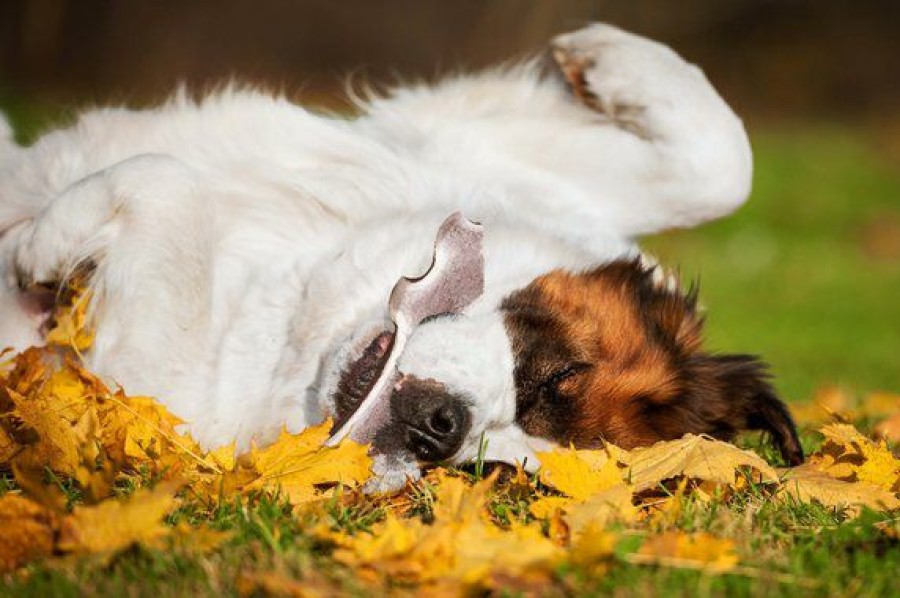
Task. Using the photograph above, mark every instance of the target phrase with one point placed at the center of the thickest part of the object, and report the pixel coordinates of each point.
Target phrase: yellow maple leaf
(594, 548)
(461, 545)
(66, 419)
(482, 549)
(692, 456)
(70, 323)
(24, 370)
(693, 551)
(848, 455)
(223, 457)
(298, 463)
(28, 531)
(546, 506)
(580, 473)
(613, 504)
(806, 483)
(113, 525)
(48, 438)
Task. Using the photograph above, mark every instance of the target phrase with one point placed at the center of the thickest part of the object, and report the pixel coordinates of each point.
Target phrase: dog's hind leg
(147, 230)
(689, 155)
(619, 137)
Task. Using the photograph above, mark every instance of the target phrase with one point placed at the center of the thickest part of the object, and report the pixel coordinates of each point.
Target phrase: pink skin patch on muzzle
(454, 280)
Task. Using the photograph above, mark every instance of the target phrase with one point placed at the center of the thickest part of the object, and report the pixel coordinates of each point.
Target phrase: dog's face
(573, 358)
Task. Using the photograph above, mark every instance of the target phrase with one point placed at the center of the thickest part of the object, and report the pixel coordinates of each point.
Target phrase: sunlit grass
(807, 274)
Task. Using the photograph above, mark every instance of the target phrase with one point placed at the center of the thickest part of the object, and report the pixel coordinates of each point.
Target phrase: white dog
(243, 250)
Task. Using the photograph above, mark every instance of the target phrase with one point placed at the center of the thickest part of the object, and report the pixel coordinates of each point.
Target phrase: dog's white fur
(245, 247)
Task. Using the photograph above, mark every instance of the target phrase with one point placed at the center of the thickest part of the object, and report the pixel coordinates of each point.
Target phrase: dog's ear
(728, 393)
(721, 394)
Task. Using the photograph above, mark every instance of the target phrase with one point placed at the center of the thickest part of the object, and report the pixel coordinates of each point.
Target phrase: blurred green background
(807, 274)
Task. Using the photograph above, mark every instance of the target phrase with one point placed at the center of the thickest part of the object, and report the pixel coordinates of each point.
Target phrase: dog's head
(612, 354)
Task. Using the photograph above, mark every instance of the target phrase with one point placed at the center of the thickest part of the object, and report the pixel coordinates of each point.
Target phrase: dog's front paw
(44, 255)
(624, 76)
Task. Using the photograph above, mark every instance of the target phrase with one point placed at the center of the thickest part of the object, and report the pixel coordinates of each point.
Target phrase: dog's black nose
(436, 421)
(439, 430)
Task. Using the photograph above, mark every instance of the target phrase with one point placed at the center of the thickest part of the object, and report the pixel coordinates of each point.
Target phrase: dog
(242, 250)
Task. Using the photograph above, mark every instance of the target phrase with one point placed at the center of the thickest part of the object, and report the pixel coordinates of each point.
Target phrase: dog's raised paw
(623, 76)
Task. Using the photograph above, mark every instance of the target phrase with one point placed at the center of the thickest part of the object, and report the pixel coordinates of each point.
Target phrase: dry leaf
(298, 463)
(70, 320)
(602, 509)
(546, 506)
(46, 436)
(28, 531)
(460, 545)
(113, 525)
(693, 551)
(580, 473)
(836, 403)
(848, 455)
(889, 429)
(879, 404)
(67, 420)
(693, 456)
(807, 483)
(825, 404)
(271, 583)
(200, 539)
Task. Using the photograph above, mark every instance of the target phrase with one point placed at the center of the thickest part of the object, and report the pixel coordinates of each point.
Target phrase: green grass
(795, 276)
(807, 273)
(786, 550)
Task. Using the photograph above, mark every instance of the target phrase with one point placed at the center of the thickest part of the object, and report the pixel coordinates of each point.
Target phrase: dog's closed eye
(564, 381)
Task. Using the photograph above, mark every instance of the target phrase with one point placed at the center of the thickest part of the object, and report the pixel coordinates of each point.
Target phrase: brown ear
(721, 394)
(728, 393)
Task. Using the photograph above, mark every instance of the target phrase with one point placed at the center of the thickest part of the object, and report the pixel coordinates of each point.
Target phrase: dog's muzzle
(426, 419)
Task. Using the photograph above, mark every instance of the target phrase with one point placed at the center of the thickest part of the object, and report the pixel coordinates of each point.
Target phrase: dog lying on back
(242, 250)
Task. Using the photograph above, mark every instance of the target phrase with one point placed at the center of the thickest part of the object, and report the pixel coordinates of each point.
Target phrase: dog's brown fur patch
(612, 355)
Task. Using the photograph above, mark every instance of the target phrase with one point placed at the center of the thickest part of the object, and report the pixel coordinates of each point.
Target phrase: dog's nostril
(443, 421)
(424, 448)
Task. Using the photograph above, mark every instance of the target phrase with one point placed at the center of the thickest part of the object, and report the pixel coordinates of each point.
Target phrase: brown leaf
(693, 456)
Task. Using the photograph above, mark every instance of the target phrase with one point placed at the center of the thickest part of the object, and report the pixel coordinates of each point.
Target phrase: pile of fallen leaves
(125, 465)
